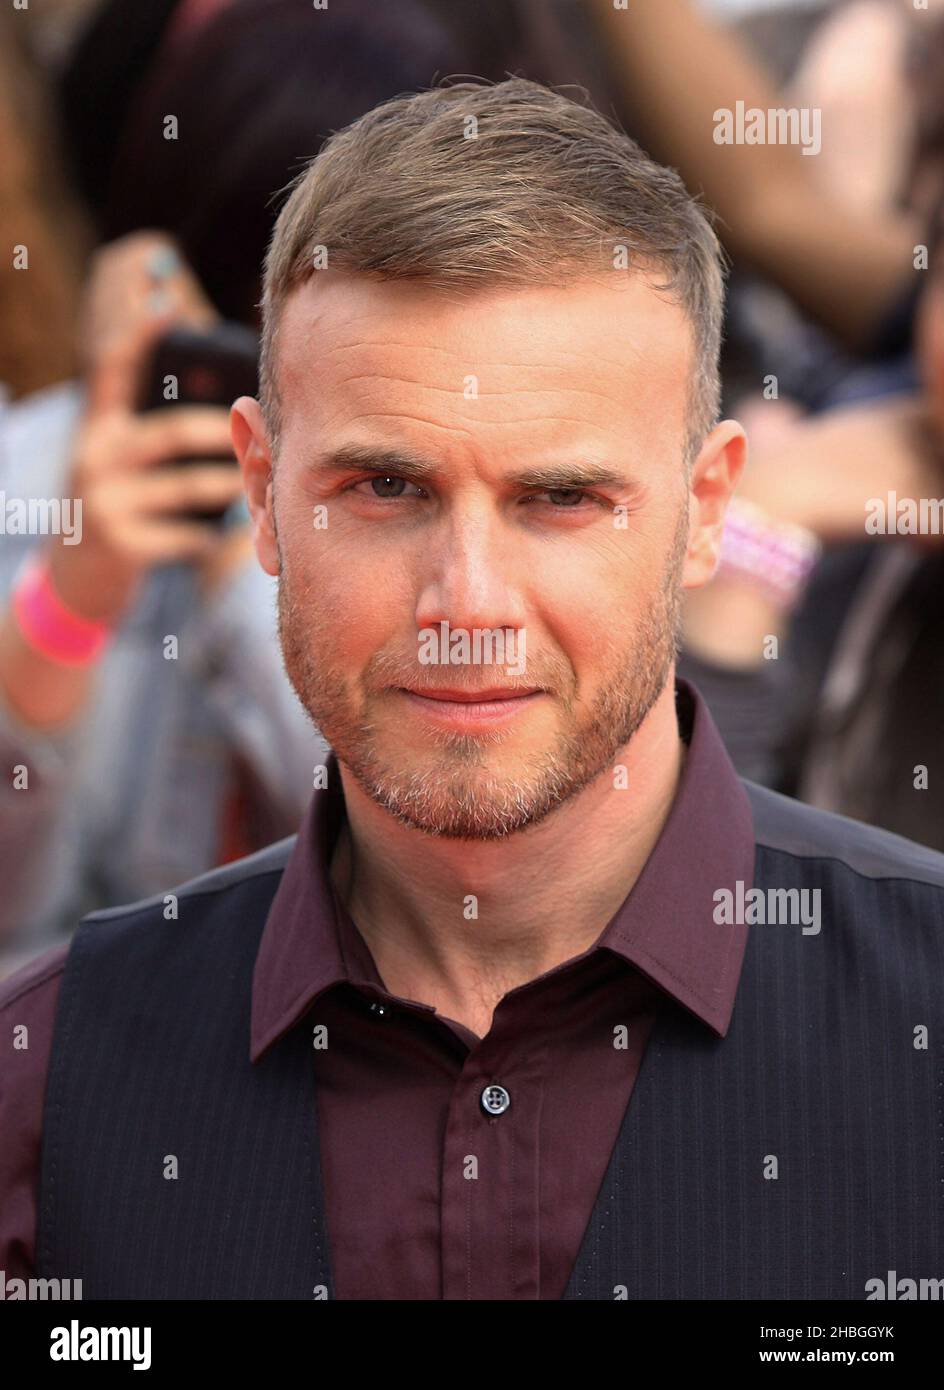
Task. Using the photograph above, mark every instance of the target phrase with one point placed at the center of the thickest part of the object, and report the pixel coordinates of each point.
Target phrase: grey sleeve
(37, 776)
(233, 645)
(37, 857)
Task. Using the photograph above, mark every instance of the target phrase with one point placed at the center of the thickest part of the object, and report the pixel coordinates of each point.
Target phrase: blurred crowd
(182, 745)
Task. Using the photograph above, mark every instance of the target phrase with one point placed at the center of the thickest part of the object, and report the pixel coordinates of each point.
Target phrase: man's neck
(457, 924)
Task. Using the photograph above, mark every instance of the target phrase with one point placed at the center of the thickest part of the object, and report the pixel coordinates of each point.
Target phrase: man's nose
(471, 578)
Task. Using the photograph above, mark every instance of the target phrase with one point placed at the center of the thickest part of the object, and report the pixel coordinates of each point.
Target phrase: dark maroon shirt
(426, 1194)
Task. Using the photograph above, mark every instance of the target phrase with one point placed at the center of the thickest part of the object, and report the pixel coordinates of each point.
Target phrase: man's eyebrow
(417, 468)
(578, 474)
(351, 458)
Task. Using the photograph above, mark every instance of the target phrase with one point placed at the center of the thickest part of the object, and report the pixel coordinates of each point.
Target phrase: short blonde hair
(471, 185)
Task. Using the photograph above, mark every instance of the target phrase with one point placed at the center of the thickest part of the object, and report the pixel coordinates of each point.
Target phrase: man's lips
(475, 697)
(471, 709)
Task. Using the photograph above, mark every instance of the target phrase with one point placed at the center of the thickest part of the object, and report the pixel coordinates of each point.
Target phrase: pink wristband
(48, 625)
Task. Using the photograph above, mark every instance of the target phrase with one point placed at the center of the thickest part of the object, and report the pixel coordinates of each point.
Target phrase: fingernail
(163, 261)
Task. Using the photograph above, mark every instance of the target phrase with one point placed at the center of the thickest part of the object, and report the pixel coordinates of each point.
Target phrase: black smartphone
(210, 366)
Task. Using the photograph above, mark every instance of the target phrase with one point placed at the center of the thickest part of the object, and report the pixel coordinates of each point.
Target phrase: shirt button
(379, 1010)
(495, 1100)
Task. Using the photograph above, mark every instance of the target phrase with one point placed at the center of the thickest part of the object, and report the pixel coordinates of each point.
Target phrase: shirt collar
(665, 928)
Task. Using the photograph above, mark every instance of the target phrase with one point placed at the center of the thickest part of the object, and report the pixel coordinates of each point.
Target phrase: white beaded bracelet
(775, 556)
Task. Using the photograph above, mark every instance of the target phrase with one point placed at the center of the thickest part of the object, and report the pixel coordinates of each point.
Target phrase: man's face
(581, 575)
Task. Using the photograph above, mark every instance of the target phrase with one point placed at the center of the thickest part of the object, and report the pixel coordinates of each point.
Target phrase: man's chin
(470, 815)
(466, 797)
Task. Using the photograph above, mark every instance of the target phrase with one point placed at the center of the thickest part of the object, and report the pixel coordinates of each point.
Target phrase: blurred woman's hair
(254, 92)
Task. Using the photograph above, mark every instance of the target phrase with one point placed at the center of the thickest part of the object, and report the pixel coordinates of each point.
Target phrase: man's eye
(560, 496)
(389, 486)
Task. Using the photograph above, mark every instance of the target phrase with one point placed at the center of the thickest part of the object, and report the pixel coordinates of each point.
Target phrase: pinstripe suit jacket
(800, 1156)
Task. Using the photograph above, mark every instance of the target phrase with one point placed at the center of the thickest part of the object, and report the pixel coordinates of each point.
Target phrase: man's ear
(714, 476)
(251, 443)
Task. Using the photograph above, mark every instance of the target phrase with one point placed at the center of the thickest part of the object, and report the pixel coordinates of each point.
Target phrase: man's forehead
(339, 328)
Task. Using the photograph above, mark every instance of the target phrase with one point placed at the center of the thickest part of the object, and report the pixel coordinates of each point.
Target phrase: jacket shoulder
(251, 879)
(791, 827)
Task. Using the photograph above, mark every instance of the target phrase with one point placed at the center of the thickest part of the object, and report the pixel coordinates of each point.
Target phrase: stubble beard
(456, 794)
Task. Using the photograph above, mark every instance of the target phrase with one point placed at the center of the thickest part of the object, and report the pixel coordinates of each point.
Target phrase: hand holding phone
(209, 367)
